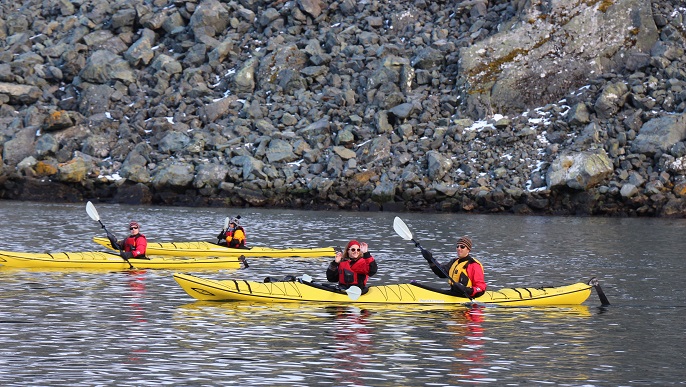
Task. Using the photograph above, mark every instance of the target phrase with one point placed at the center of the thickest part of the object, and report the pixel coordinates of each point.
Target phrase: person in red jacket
(465, 274)
(134, 245)
(352, 267)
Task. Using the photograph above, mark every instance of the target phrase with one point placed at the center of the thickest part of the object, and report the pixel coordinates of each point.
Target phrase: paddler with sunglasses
(352, 267)
(466, 273)
(134, 245)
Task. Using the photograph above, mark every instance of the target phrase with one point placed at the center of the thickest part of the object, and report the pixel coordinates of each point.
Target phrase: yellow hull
(296, 291)
(207, 249)
(110, 261)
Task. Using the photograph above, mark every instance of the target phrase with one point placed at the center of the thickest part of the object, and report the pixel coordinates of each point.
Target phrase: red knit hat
(134, 224)
(352, 243)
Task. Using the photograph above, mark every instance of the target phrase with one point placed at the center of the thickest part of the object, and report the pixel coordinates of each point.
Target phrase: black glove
(126, 254)
(466, 290)
(113, 241)
(427, 255)
(221, 235)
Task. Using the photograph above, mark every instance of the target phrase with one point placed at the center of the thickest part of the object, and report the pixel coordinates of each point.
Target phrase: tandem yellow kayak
(112, 261)
(208, 249)
(409, 293)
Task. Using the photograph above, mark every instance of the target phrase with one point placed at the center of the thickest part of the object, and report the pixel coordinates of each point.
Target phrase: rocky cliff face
(558, 107)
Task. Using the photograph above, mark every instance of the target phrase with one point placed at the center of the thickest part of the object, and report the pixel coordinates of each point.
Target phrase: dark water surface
(80, 328)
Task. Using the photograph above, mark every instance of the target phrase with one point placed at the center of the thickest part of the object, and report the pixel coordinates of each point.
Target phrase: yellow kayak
(111, 261)
(207, 249)
(410, 293)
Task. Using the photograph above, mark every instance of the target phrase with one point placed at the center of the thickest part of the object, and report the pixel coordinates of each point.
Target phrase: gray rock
(311, 7)
(46, 144)
(210, 175)
(104, 66)
(537, 45)
(174, 142)
(578, 115)
(210, 18)
(167, 64)
(177, 174)
(244, 80)
(20, 94)
(134, 168)
(344, 153)
(580, 171)
(20, 146)
(280, 151)
(95, 99)
(438, 165)
(384, 192)
(660, 134)
(249, 166)
(611, 99)
(628, 190)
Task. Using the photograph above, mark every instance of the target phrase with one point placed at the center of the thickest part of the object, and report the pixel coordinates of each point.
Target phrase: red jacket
(350, 273)
(136, 245)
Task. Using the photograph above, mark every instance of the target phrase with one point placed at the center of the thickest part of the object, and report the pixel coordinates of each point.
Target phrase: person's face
(354, 251)
(134, 230)
(462, 250)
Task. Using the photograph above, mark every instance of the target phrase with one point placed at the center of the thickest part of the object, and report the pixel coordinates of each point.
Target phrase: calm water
(139, 328)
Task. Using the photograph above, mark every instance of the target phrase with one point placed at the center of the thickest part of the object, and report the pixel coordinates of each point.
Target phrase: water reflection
(135, 300)
(467, 338)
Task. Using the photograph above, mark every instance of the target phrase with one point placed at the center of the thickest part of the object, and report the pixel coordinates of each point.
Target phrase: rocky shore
(526, 107)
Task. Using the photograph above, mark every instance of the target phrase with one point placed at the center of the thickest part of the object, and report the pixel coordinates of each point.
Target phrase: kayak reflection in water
(138, 341)
(469, 341)
(465, 274)
(353, 344)
(352, 267)
(234, 235)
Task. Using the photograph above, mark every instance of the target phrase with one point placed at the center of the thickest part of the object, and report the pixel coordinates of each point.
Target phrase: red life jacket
(136, 246)
(354, 273)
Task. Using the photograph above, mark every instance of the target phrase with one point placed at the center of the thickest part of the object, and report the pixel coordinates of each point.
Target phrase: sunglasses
(461, 246)
(133, 228)
(353, 249)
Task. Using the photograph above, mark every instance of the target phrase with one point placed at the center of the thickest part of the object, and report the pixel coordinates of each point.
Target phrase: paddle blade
(92, 212)
(401, 229)
(226, 223)
(354, 292)
(306, 278)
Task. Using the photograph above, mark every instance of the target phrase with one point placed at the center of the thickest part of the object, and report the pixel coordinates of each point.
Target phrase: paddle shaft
(433, 260)
(226, 225)
(601, 295)
(93, 213)
(404, 232)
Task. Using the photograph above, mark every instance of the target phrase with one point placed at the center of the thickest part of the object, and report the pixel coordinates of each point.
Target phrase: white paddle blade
(226, 223)
(354, 292)
(401, 229)
(92, 212)
(306, 278)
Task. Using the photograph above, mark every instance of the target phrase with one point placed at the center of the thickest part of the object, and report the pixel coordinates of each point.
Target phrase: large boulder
(520, 67)
(579, 170)
(660, 134)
